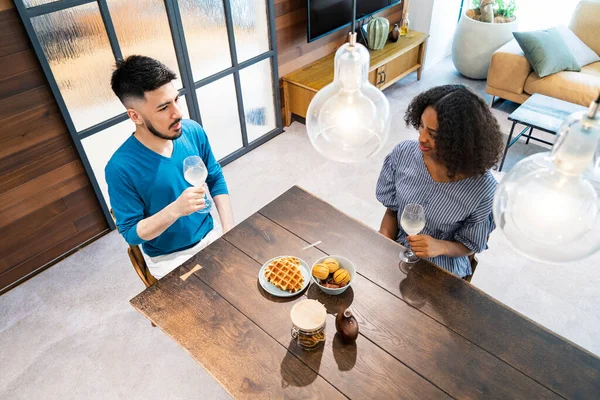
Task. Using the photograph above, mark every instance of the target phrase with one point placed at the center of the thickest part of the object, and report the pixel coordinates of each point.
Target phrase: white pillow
(583, 54)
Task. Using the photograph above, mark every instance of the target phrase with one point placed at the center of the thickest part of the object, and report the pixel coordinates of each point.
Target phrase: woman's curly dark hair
(468, 140)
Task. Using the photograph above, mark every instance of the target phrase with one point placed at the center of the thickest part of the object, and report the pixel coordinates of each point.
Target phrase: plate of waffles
(284, 276)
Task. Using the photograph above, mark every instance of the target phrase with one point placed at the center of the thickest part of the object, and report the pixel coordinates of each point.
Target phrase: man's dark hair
(136, 75)
(468, 139)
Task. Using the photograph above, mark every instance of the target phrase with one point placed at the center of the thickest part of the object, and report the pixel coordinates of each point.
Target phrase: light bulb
(548, 205)
(349, 119)
(346, 119)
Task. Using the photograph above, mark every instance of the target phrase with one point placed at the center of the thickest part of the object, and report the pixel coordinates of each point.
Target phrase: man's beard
(160, 135)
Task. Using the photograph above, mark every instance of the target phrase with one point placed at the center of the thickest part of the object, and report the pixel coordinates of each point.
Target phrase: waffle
(285, 273)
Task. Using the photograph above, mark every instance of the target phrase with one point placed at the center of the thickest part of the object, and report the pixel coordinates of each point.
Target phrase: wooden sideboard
(392, 63)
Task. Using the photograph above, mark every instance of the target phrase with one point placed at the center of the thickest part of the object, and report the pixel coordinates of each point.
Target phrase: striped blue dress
(458, 211)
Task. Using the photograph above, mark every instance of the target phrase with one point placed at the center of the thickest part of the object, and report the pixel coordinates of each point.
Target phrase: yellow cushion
(585, 23)
(509, 69)
(592, 69)
(575, 87)
(503, 94)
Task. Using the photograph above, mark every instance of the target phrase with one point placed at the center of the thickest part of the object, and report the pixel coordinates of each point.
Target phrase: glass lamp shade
(548, 205)
(349, 119)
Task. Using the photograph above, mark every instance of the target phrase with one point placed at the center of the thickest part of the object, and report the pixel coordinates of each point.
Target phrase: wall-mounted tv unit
(327, 16)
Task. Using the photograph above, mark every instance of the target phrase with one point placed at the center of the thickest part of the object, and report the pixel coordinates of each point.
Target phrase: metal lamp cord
(352, 34)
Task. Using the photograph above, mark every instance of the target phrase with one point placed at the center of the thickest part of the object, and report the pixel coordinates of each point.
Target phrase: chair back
(474, 263)
(140, 266)
(137, 260)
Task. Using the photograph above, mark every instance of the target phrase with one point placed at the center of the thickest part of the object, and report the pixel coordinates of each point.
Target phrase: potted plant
(484, 27)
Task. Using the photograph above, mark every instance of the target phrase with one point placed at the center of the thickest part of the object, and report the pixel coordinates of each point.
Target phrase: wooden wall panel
(54, 253)
(293, 50)
(21, 82)
(39, 125)
(35, 169)
(17, 63)
(47, 206)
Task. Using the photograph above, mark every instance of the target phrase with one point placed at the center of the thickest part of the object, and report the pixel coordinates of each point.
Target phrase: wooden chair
(474, 263)
(139, 264)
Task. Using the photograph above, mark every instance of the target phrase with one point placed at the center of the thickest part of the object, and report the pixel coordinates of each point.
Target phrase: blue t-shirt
(142, 182)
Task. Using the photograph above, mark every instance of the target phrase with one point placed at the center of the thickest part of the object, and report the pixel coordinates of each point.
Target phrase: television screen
(326, 16)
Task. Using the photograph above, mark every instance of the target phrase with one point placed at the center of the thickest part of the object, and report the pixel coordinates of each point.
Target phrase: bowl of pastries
(333, 274)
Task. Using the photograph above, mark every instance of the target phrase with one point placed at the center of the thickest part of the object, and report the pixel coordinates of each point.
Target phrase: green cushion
(547, 51)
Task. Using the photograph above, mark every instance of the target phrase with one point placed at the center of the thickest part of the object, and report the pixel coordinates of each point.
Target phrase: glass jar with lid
(308, 319)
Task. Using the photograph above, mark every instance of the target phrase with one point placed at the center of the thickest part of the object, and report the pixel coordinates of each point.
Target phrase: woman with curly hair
(447, 172)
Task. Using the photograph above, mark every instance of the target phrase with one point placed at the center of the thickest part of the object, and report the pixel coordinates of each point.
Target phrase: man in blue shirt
(153, 204)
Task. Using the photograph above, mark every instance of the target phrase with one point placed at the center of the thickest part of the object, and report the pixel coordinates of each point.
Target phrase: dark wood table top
(544, 113)
(425, 335)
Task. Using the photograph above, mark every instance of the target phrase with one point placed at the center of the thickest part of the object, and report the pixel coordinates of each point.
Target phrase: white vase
(475, 42)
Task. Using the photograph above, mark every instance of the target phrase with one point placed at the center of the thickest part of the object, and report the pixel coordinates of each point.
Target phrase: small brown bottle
(346, 326)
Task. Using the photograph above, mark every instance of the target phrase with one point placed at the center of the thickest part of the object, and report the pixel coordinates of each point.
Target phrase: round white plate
(274, 290)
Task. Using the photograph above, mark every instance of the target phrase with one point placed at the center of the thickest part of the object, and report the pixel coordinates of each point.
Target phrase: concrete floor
(70, 333)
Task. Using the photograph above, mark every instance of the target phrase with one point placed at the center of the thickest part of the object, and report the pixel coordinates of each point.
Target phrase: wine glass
(195, 172)
(413, 222)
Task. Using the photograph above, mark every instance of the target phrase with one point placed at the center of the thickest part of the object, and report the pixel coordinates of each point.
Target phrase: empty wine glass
(195, 172)
(412, 222)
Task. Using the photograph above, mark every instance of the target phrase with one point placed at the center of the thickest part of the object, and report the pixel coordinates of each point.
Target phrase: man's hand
(190, 201)
(426, 246)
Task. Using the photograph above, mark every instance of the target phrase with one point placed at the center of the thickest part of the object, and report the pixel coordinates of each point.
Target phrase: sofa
(511, 77)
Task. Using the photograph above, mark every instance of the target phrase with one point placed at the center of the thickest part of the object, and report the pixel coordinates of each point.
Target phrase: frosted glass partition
(220, 116)
(221, 51)
(100, 147)
(77, 48)
(251, 28)
(206, 36)
(142, 27)
(257, 94)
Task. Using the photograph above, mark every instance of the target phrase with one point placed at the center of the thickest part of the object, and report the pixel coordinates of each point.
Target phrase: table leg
(529, 135)
(287, 114)
(512, 129)
(421, 59)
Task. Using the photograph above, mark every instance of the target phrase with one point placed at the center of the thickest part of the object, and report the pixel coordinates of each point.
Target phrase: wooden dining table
(424, 333)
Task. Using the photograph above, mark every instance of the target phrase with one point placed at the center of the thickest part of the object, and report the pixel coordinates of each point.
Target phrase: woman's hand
(426, 246)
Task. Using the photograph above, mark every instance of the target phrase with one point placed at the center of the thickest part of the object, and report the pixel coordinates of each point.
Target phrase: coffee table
(425, 334)
(544, 113)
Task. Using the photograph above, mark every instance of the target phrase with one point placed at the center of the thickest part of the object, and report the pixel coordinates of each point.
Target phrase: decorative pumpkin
(377, 33)
(341, 276)
(332, 264)
(320, 271)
